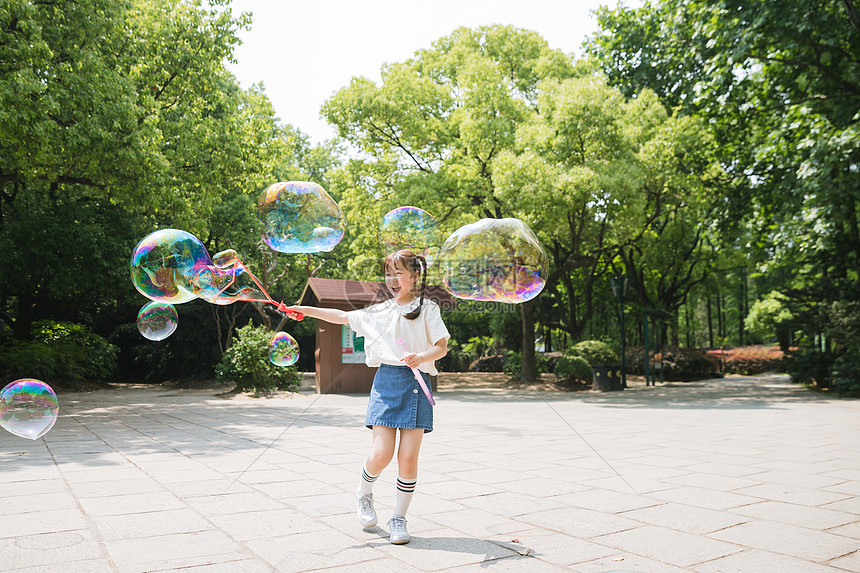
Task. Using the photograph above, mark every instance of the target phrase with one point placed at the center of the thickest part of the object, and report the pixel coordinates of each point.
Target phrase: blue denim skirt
(397, 400)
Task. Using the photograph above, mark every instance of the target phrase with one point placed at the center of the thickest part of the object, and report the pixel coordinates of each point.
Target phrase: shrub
(845, 374)
(748, 360)
(573, 367)
(810, 367)
(62, 354)
(594, 352)
(683, 363)
(247, 364)
(544, 362)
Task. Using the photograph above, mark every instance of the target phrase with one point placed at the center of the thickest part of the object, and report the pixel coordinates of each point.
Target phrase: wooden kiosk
(339, 354)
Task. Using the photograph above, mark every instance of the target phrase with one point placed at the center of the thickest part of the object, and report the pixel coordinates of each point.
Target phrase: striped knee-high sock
(405, 491)
(365, 486)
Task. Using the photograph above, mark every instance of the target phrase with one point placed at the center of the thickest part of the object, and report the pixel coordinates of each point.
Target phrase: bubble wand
(417, 375)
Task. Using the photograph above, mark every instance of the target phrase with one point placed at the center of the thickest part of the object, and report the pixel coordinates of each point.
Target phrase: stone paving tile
(536, 486)
(606, 501)
(227, 566)
(705, 498)
(88, 566)
(715, 482)
(668, 545)
(138, 525)
(21, 503)
(518, 564)
(850, 505)
(800, 515)
(442, 549)
(850, 562)
(132, 503)
(788, 539)
(850, 530)
(476, 523)
(228, 503)
(265, 524)
(107, 488)
(386, 565)
(685, 518)
(52, 550)
(172, 551)
(556, 548)
(509, 504)
(308, 551)
(581, 523)
(753, 560)
(792, 494)
(627, 563)
(36, 522)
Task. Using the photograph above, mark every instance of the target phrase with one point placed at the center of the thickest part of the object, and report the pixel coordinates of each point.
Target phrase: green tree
(434, 127)
(777, 86)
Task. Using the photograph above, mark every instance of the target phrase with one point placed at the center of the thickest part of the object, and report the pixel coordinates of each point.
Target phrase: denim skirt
(397, 400)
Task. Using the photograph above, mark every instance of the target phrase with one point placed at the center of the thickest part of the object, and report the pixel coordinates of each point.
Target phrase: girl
(399, 334)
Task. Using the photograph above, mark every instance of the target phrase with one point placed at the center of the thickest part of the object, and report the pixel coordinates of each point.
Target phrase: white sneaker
(397, 528)
(366, 513)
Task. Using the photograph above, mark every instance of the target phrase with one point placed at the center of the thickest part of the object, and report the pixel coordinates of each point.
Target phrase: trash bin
(606, 377)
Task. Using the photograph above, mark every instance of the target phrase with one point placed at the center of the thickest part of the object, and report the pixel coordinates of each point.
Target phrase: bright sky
(303, 52)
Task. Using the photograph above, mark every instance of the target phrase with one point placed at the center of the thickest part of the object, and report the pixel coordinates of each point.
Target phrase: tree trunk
(710, 325)
(24, 317)
(529, 363)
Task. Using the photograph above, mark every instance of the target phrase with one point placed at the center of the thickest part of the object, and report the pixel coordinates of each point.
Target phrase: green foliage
(594, 352)
(247, 364)
(810, 367)
(574, 367)
(766, 315)
(845, 374)
(683, 364)
(62, 354)
(479, 347)
(514, 363)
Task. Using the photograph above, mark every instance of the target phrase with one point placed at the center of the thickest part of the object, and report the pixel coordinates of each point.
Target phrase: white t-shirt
(382, 325)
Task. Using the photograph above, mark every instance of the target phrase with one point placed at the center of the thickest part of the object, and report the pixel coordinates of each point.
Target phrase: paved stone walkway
(738, 475)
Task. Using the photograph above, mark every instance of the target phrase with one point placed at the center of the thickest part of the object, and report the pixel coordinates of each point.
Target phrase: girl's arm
(437, 351)
(333, 315)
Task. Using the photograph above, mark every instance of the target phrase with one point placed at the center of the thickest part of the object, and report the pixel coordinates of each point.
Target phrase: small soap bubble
(157, 320)
(283, 349)
(493, 259)
(300, 217)
(28, 408)
(164, 264)
(409, 228)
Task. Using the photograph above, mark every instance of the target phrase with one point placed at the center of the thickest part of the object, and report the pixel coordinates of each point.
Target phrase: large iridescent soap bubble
(283, 349)
(493, 259)
(28, 408)
(410, 228)
(300, 217)
(164, 264)
(157, 320)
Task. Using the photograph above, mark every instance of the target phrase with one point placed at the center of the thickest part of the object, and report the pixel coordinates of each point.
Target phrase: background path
(735, 475)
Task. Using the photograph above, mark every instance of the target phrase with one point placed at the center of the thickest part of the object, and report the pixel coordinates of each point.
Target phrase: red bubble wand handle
(417, 374)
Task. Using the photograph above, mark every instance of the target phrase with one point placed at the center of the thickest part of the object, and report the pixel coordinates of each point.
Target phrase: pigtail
(421, 263)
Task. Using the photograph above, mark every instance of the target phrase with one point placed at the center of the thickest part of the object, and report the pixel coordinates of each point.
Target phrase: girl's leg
(407, 468)
(383, 449)
(380, 456)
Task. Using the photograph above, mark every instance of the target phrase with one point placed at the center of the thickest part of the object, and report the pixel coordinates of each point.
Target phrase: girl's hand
(412, 360)
(293, 312)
